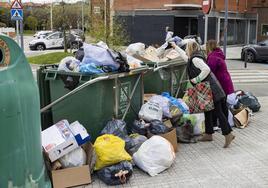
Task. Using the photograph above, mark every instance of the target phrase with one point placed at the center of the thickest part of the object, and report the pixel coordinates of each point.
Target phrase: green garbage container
(167, 76)
(102, 97)
(21, 159)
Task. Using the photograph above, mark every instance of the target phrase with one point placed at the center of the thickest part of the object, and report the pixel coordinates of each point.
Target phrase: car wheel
(40, 47)
(249, 56)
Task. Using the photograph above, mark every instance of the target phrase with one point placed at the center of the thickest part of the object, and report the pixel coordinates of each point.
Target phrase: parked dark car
(256, 52)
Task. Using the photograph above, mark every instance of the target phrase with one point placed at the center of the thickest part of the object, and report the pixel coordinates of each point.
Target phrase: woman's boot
(228, 139)
(206, 138)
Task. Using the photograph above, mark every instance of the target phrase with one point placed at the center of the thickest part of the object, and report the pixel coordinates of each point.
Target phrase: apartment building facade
(146, 20)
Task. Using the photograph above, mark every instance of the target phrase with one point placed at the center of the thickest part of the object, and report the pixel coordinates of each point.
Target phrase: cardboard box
(171, 137)
(147, 96)
(62, 138)
(75, 176)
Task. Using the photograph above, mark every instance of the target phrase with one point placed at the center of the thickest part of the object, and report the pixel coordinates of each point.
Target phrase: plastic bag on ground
(75, 158)
(177, 102)
(110, 150)
(138, 140)
(155, 155)
(150, 111)
(116, 174)
(199, 127)
(69, 64)
(163, 102)
(250, 101)
(185, 133)
(157, 127)
(139, 127)
(118, 128)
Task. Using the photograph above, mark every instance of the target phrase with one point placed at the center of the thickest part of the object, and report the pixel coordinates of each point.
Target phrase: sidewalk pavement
(208, 165)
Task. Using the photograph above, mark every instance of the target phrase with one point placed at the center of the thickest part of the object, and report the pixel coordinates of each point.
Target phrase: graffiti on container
(124, 93)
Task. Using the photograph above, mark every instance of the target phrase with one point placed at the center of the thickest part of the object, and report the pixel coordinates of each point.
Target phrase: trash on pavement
(249, 100)
(74, 158)
(116, 174)
(241, 119)
(63, 138)
(155, 155)
(138, 140)
(158, 127)
(118, 128)
(110, 150)
(151, 111)
(140, 127)
(73, 176)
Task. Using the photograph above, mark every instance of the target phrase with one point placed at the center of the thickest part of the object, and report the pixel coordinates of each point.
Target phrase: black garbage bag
(138, 140)
(116, 174)
(185, 133)
(250, 101)
(157, 127)
(79, 54)
(118, 128)
(139, 127)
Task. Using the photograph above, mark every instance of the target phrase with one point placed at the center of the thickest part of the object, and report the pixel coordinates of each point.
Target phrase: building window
(264, 29)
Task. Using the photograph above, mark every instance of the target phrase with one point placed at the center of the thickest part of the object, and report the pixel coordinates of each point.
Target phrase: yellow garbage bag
(110, 150)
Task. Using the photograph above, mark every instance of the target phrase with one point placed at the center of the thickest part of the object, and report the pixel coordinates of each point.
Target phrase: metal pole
(18, 33)
(206, 29)
(21, 35)
(225, 27)
(51, 16)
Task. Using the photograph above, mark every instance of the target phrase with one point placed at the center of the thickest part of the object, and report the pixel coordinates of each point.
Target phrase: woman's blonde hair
(191, 48)
(211, 45)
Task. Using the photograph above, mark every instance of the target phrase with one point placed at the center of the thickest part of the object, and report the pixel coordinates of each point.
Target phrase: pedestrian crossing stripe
(16, 5)
(16, 14)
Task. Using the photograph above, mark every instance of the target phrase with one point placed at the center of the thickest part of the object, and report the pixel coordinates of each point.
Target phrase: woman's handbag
(199, 97)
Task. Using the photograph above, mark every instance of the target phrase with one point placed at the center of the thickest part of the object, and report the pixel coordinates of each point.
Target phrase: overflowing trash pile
(99, 58)
(150, 143)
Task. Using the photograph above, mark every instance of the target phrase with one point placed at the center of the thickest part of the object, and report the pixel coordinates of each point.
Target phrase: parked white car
(42, 34)
(55, 40)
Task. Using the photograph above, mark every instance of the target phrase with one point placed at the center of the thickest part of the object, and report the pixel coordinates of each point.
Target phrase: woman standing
(217, 64)
(198, 70)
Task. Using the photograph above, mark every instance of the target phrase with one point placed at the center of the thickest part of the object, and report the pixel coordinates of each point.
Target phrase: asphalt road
(254, 78)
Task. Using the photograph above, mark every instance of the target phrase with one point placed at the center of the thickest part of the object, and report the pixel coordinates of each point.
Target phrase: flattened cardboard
(171, 136)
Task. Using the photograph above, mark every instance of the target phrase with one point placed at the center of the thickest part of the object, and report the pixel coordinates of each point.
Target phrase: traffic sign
(16, 5)
(206, 6)
(16, 14)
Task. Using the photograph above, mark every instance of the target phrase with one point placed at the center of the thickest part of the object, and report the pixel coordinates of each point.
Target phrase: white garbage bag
(164, 104)
(155, 155)
(199, 127)
(75, 158)
(69, 64)
(230, 118)
(150, 111)
(136, 49)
